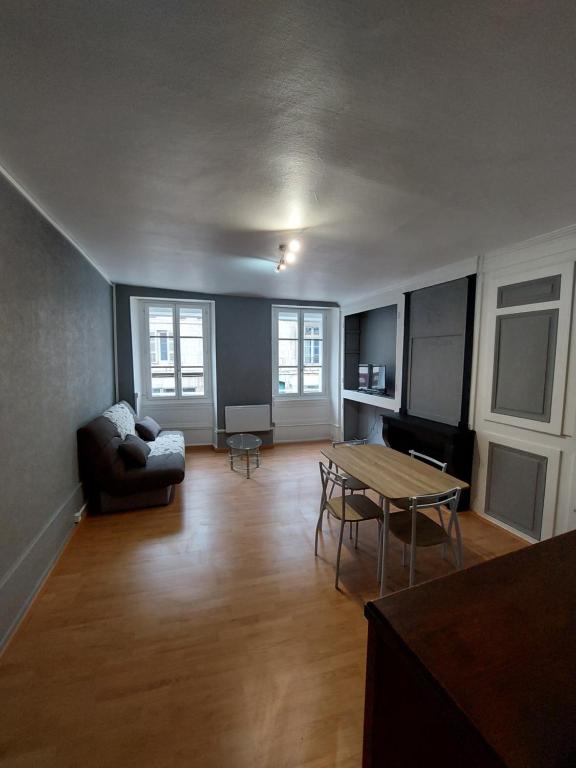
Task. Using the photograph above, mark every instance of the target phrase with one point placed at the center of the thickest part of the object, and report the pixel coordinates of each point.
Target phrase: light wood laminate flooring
(206, 633)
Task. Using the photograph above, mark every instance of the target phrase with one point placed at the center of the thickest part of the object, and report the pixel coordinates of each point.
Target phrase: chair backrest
(356, 441)
(329, 476)
(442, 465)
(448, 499)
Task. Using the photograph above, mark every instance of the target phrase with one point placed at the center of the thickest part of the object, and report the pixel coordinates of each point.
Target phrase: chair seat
(353, 484)
(428, 533)
(357, 508)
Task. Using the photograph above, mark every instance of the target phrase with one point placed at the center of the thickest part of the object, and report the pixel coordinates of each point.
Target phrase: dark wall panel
(529, 292)
(56, 373)
(351, 351)
(436, 378)
(436, 348)
(524, 356)
(243, 352)
(515, 487)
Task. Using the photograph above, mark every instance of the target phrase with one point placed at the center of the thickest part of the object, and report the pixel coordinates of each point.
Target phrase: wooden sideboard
(477, 669)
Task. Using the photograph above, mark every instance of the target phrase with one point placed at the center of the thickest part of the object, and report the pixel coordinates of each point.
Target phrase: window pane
(312, 352)
(191, 321)
(191, 352)
(161, 350)
(163, 382)
(161, 328)
(313, 325)
(160, 321)
(192, 382)
(287, 352)
(287, 325)
(312, 379)
(288, 381)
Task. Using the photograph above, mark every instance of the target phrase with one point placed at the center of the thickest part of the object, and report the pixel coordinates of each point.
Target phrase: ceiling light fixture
(294, 246)
(287, 254)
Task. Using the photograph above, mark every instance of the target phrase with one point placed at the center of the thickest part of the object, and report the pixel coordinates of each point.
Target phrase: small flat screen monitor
(364, 376)
(378, 378)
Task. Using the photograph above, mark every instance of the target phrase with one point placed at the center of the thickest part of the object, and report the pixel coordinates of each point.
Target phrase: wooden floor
(205, 633)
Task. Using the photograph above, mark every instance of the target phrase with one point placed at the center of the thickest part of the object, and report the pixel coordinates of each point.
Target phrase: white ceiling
(177, 141)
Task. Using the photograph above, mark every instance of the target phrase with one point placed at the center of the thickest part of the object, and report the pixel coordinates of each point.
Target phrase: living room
(240, 241)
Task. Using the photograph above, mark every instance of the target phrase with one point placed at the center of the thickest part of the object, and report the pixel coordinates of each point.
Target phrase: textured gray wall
(56, 372)
(243, 343)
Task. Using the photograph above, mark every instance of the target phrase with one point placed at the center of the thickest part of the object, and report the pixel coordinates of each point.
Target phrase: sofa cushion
(168, 442)
(159, 472)
(148, 428)
(134, 451)
(122, 416)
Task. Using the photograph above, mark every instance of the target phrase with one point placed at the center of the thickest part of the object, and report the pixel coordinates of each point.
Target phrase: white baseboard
(21, 582)
(197, 435)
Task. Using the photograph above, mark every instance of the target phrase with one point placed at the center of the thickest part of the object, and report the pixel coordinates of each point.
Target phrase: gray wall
(56, 373)
(243, 343)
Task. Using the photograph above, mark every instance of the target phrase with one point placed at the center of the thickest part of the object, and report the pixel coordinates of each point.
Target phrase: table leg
(248, 465)
(384, 528)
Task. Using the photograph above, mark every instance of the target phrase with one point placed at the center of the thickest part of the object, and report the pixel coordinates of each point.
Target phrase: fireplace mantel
(454, 445)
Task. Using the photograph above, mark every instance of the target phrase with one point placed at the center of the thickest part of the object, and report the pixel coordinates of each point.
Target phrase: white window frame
(324, 394)
(178, 397)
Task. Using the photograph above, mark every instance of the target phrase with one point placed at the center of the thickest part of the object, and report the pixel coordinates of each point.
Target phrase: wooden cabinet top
(499, 639)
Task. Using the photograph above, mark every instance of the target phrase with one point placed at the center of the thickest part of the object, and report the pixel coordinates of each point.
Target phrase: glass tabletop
(244, 442)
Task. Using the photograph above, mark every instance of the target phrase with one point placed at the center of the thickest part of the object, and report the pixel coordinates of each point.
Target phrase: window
(299, 352)
(177, 338)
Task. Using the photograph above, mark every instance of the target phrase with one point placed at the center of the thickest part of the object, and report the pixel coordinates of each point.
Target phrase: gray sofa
(112, 486)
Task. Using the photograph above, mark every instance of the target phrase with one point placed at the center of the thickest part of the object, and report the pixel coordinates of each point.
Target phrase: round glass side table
(246, 449)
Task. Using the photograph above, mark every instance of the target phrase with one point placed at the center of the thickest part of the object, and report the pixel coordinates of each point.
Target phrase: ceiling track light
(287, 254)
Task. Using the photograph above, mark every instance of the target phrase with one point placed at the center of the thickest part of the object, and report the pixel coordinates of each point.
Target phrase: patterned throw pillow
(123, 419)
(148, 428)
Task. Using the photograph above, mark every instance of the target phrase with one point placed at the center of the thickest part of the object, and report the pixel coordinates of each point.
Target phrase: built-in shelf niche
(370, 338)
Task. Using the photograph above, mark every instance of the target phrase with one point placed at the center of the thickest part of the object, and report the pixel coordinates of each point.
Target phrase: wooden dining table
(392, 475)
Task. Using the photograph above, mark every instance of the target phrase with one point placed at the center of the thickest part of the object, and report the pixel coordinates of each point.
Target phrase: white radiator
(247, 418)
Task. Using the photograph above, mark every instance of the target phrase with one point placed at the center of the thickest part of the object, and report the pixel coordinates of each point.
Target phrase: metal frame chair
(414, 529)
(405, 503)
(442, 465)
(347, 508)
(353, 483)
